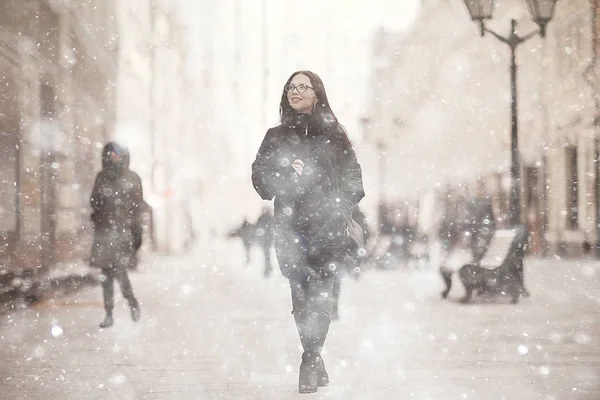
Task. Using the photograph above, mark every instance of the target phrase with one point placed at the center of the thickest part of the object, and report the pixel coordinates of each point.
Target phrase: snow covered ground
(214, 328)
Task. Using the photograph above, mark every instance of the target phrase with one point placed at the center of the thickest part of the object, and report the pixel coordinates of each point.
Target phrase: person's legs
(267, 254)
(127, 291)
(312, 301)
(108, 293)
(247, 251)
(521, 277)
(299, 307)
(335, 297)
(319, 302)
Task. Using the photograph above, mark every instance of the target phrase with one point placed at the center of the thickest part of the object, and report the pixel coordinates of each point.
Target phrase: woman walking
(308, 165)
(116, 201)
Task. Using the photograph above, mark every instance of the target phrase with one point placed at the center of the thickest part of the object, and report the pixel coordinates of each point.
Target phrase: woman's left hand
(298, 166)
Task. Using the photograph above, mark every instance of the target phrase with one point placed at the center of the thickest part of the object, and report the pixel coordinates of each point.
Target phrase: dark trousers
(267, 258)
(247, 251)
(335, 296)
(312, 302)
(108, 278)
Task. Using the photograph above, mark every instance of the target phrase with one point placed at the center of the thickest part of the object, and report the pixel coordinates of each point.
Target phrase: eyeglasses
(301, 88)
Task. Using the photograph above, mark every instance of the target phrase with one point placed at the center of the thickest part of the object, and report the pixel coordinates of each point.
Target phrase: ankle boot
(135, 313)
(322, 375)
(108, 321)
(307, 381)
(334, 315)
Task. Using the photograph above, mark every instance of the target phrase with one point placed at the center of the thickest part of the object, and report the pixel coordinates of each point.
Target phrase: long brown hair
(322, 113)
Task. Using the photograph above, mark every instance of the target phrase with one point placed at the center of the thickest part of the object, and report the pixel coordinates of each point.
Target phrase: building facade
(58, 63)
(133, 95)
(558, 105)
(157, 117)
(570, 114)
(440, 109)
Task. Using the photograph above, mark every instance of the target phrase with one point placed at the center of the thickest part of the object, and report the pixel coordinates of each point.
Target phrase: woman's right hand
(298, 166)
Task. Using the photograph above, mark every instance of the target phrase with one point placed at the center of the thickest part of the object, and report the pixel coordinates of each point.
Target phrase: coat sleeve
(350, 182)
(96, 199)
(137, 195)
(269, 177)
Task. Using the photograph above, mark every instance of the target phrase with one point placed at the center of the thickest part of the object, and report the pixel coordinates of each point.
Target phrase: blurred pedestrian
(246, 233)
(480, 223)
(264, 237)
(404, 237)
(308, 165)
(116, 202)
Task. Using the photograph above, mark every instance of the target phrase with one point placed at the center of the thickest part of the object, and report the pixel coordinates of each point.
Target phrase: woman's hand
(298, 166)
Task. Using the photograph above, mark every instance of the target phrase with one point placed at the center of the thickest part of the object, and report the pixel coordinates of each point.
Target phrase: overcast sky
(332, 38)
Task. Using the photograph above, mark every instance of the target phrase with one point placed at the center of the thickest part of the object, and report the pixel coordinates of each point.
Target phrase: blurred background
(190, 87)
(458, 142)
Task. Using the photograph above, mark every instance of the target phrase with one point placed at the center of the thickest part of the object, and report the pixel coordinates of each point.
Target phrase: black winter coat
(117, 207)
(311, 210)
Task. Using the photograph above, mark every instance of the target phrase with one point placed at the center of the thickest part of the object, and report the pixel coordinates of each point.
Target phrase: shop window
(9, 155)
(572, 187)
(8, 179)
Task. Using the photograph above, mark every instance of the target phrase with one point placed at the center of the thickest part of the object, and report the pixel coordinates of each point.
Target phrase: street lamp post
(381, 169)
(541, 12)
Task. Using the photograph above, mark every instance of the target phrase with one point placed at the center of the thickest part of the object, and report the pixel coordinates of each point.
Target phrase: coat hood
(108, 164)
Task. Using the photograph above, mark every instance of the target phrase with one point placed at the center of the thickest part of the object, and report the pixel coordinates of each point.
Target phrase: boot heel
(322, 375)
(108, 321)
(307, 382)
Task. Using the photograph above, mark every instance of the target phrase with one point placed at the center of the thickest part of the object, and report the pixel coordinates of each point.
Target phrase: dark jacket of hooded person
(116, 201)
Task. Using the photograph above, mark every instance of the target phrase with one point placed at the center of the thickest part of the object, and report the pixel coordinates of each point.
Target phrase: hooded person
(264, 237)
(116, 202)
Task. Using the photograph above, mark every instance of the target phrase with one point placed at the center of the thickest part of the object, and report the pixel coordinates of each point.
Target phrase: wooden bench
(7, 286)
(16, 286)
(499, 271)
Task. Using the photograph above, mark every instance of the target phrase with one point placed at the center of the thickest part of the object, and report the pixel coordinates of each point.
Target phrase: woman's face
(301, 94)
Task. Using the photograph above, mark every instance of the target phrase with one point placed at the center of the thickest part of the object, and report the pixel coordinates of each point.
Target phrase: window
(531, 186)
(8, 179)
(48, 101)
(9, 153)
(572, 187)
(48, 111)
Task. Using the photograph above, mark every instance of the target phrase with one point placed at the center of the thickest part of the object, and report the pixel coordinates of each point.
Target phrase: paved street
(215, 329)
